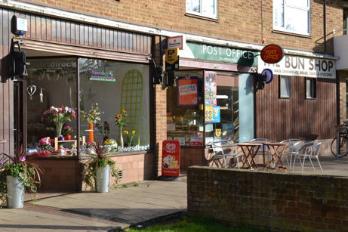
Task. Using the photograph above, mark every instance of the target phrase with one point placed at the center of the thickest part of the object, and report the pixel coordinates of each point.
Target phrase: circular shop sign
(272, 53)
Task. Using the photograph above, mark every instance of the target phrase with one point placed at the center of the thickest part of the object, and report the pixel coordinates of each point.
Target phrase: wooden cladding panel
(296, 117)
(53, 30)
(6, 89)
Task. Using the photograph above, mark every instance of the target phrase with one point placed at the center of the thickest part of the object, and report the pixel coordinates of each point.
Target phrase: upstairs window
(292, 16)
(205, 8)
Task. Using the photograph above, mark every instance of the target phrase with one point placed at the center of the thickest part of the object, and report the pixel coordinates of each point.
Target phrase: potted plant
(99, 168)
(92, 116)
(121, 122)
(58, 116)
(16, 176)
(67, 132)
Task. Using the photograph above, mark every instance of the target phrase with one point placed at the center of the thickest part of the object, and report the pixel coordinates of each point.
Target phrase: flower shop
(111, 109)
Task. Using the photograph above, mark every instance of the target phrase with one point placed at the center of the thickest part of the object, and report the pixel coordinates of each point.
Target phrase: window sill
(291, 34)
(311, 98)
(202, 17)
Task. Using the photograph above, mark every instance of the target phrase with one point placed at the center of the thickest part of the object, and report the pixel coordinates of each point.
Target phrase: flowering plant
(121, 118)
(93, 114)
(45, 144)
(19, 167)
(67, 130)
(59, 116)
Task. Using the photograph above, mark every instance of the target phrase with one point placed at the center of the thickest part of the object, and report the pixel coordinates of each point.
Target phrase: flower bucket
(15, 192)
(103, 179)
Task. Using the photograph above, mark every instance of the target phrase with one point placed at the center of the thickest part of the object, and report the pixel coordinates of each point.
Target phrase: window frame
(289, 5)
(281, 96)
(311, 80)
(200, 13)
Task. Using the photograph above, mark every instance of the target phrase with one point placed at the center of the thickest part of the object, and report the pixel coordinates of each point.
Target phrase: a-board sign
(171, 158)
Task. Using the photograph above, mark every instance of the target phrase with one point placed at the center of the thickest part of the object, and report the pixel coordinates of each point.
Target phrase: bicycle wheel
(343, 147)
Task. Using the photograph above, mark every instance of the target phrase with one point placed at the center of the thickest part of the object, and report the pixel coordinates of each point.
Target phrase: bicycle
(340, 150)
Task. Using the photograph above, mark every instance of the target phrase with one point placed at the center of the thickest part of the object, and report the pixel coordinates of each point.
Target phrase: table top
(275, 144)
(249, 144)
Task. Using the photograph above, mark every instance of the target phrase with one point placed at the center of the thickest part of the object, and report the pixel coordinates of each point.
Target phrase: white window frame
(311, 88)
(287, 81)
(200, 13)
(287, 4)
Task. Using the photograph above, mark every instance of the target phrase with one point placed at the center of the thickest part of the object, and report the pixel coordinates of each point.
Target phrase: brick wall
(274, 202)
(343, 77)
(238, 20)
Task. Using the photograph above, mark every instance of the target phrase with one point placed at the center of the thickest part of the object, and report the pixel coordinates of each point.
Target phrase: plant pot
(15, 192)
(68, 137)
(103, 179)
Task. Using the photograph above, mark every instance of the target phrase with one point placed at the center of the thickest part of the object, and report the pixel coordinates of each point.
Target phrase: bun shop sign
(301, 66)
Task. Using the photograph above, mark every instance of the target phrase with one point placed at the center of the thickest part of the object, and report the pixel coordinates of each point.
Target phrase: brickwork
(238, 20)
(343, 77)
(274, 202)
(135, 167)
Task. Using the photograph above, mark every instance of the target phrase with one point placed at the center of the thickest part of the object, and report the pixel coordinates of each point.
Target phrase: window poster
(187, 91)
(210, 88)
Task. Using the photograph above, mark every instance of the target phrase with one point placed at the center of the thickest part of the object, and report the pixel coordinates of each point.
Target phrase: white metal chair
(312, 152)
(293, 146)
(222, 153)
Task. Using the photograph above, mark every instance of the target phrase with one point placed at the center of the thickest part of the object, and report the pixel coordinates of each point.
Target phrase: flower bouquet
(67, 132)
(121, 122)
(92, 116)
(58, 116)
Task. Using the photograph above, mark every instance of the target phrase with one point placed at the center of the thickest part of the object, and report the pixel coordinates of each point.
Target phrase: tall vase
(90, 132)
(15, 192)
(121, 137)
(59, 128)
(103, 179)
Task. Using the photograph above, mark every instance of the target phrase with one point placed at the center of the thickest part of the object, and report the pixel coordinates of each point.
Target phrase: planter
(15, 192)
(103, 179)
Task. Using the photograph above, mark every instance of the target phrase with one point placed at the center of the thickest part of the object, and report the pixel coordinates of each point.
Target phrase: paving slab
(88, 211)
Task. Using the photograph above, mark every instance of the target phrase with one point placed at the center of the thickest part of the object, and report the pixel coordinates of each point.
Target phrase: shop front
(212, 100)
(85, 84)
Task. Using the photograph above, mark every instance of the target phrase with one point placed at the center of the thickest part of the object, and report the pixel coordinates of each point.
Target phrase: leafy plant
(99, 158)
(18, 166)
(93, 115)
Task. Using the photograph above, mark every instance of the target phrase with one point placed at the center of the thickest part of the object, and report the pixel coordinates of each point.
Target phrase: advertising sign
(176, 42)
(170, 158)
(187, 92)
(301, 66)
(212, 114)
(272, 53)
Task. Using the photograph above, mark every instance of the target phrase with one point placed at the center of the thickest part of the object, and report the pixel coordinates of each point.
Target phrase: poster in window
(212, 114)
(210, 88)
(187, 92)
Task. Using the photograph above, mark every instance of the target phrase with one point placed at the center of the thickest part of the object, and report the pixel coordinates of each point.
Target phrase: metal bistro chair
(300, 150)
(226, 154)
(312, 152)
(293, 145)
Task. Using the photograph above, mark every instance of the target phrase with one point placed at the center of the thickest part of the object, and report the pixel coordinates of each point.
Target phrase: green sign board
(223, 54)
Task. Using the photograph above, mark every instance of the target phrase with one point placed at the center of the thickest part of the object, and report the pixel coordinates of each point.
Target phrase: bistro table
(249, 151)
(276, 151)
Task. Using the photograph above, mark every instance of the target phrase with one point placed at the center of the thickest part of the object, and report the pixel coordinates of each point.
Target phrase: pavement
(87, 211)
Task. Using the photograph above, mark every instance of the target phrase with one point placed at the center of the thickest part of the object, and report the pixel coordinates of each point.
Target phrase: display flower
(121, 122)
(67, 130)
(58, 116)
(93, 115)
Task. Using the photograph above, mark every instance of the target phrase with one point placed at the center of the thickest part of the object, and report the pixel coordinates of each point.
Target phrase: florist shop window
(115, 104)
(51, 106)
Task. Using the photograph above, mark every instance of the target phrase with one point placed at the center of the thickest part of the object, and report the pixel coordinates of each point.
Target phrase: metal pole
(78, 121)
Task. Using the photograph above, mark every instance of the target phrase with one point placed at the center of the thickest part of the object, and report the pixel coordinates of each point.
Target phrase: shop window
(292, 16)
(114, 106)
(310, 88)
(51, 107)
(205, 8)
(120, 91)
(284, 87)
